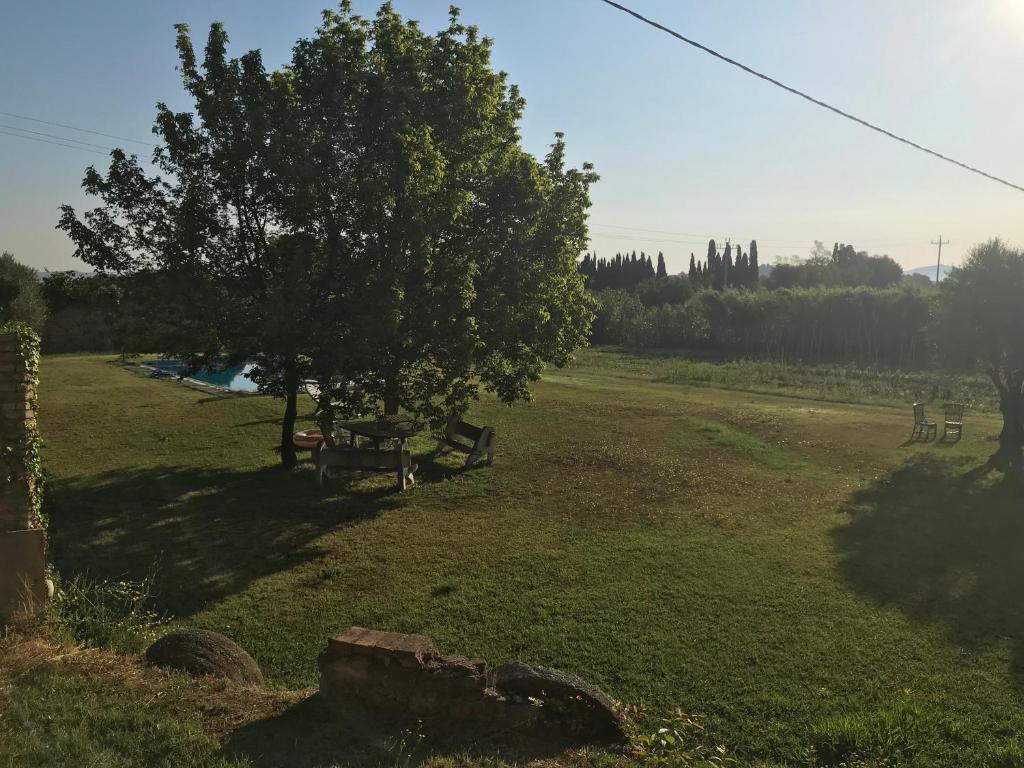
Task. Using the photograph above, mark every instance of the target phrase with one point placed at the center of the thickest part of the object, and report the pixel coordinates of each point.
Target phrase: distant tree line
(866, 326)
(839, 305)
(624, 271)
(721, 270)
(845, 266)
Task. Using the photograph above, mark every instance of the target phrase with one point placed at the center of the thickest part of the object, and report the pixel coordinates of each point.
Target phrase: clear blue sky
(685, 144)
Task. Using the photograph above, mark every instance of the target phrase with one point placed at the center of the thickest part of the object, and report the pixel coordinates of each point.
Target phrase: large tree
(365, 216)
(457, 247)
(981, 321)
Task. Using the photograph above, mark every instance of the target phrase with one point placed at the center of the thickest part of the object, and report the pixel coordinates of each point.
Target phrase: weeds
(681, 736)
(105, 614)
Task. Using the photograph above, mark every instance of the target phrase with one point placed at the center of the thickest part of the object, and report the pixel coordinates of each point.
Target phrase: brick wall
(17, 419)
(22, 540)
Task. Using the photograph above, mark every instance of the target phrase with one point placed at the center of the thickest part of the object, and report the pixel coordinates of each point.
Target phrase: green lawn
(786, 567)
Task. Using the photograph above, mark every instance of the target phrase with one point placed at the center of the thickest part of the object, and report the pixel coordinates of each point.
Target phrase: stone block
(403, 675)
(22, 571)
(407, 650)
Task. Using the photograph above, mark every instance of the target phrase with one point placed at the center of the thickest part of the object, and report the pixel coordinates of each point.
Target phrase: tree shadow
(313, 733)
(944, 546)
(211, 532)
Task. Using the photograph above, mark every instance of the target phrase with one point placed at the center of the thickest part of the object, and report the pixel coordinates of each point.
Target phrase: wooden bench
(483, 440)
(922, 427)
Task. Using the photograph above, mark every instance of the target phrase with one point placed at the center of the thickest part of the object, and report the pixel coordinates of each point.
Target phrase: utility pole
(940, 242)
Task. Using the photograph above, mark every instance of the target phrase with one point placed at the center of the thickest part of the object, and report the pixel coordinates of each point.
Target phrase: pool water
(234, 379)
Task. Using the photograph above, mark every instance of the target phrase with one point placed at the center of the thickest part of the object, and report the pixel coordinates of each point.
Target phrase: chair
(953, 424)
(922, 427)
(484, 439)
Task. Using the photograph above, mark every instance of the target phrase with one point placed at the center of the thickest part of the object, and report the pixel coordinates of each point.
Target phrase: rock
(583, 707)
(201, 652)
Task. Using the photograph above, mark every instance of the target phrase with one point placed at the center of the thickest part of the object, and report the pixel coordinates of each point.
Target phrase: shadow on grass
(211, 532)
(944, 546)
(312, 733)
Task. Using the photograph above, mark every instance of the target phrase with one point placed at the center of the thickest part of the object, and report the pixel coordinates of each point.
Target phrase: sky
(688, 148)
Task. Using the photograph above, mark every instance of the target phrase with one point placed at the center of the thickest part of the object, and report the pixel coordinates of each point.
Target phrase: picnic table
(398, 459)
(379, 430)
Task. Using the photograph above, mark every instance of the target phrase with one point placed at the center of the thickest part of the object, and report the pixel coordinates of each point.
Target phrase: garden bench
(953, 423)
(922, 427)
(483, 440)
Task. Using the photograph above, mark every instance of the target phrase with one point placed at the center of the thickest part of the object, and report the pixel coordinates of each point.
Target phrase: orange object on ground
(307, 440)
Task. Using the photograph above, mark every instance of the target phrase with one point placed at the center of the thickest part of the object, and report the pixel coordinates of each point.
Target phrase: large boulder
(564, 697)
(202, 652)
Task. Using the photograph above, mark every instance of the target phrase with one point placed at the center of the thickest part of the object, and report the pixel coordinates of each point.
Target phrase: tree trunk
(289, 458)
(1011, 439)
(391, 397)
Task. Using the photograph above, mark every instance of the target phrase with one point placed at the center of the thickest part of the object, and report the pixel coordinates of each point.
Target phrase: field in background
(787, 567)
(836, 383)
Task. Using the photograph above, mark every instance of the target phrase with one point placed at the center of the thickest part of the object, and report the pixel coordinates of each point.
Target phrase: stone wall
(22, 540)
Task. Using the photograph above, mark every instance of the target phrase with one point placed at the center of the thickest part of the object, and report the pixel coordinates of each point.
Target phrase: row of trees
(624, 271)
(720, 270)
(855, 325)
(365, 216)
(844, 266)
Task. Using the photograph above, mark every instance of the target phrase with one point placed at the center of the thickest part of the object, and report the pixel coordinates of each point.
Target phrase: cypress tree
(754, 270)
(692, 274)
(662, 272)
(711, 265)
(742, 271)
(727, 275)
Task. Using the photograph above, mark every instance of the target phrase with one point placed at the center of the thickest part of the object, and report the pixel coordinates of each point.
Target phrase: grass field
(787, 567)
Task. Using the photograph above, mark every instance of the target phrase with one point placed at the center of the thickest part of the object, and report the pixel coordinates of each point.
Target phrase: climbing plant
(20, 453)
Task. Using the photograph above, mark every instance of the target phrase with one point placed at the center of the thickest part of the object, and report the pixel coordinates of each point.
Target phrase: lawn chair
(953, 425)
(484, 439)
(922, 427)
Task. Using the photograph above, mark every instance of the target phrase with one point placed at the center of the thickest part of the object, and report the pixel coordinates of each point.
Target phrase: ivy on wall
(21, 457)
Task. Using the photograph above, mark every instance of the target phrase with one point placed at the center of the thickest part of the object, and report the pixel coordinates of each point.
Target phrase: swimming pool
(234, 379)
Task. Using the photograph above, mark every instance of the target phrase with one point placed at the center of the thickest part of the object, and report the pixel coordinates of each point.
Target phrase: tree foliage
(21, 300)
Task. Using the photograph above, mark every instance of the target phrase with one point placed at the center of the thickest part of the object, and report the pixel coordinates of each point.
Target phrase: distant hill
(929, 272)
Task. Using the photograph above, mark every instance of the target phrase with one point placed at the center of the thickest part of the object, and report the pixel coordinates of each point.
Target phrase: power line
(54, 143)
(811, 99)
(792, 242)
(54, 136)
(76, 128)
